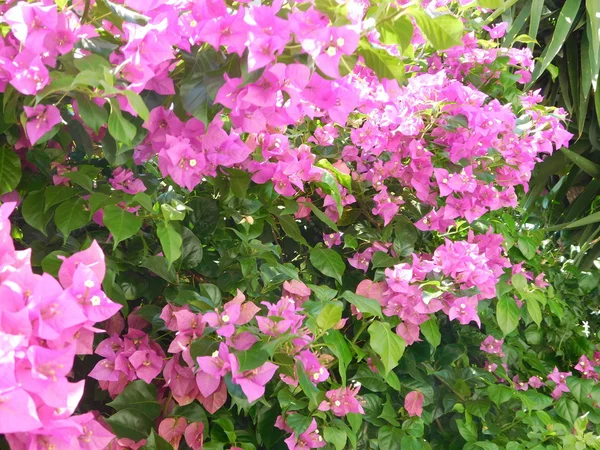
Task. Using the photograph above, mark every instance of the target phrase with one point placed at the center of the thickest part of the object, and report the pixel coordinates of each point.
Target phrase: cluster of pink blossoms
(39, 35)
(478, 153)
(585, 366)
(473, 266)
(44, 324)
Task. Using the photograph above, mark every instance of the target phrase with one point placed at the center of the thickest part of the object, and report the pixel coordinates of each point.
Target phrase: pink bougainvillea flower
(311, 438)
(535, 382)
(331, 239)
(297, 290)
(312, 366)
(252, 381)
(171, 430)
(224, 322)
(194, 435)
(28, 73)
(413, 403)
(32, 23)
(124, 180)
(18, 412)
(464, 309)
(92, 257)
(42, 119)
(586, 368)
(520, 385)
(492, 346)
(180, 160)
(96, 435)
(247, 309)
(147, 364)
(215, 401)
(342, 401)
(212, 369)
(332, 44)
(560, 379)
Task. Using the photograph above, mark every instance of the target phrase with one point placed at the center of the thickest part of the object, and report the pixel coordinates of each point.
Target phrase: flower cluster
(39, 35)
(44, 324)
(585, 366)
(473, 266)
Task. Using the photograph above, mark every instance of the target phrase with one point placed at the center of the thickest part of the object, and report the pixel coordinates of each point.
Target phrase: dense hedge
(260, 225)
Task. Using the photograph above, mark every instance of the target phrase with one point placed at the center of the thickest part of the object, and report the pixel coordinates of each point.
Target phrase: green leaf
(399, 32)
(136, 102)
(204, 216)
(34, 213)
(534, 400)
(252, 358)
(82, 179)
(123, 14)
(170, 241)
(203, 347)
(138, 395)
(239, 182)
(191, 249)
(339, 347)
(51, 264)
(160, 266)
(592, 218)
(519, 282)
(10, 170)
(580, 388)
(562, 28)
(193, 412)
(171, 213)
(364, 305)
(533, 308)
(289, 225)
(330, 315)
(590, 167)
(507, 314)
(53, 195)
(343, 178)
(593, 13)
(387, 344)
(499, 393)
(322, 216)
(328, 262)
(370, 380)
(431, 332)
(330, 186)
(92, 114)
(71, 215)
(119, 127)
(130, 423)
(155, 442)
(528, 246)
(310, 390)
(410, 443)
(121, 224)
(490, 4)
(194, 97)
(479, 407)
(335, 437)
(442, 32)
(467, 430)
(389, 438)
(298, 422)
(382, 63)
(567, 409)
(142, 199)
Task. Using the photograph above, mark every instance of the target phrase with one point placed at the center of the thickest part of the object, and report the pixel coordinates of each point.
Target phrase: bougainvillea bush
(282, 225)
